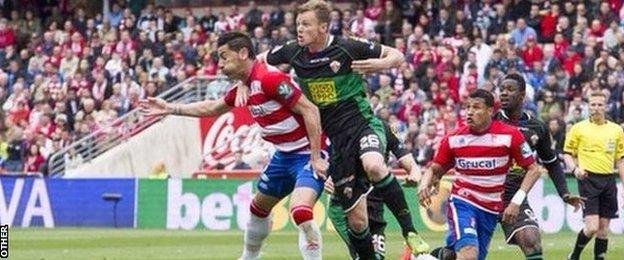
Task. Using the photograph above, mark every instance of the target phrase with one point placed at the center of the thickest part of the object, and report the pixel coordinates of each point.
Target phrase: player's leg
(350, 190)
(339, 219)
(530, 243)
(589, 190)
(359, 232)
(608, 208)
(306, 192)
(377, 224)
(601, 243)
(301, 211)
(259, 224)
(585, 235)
(372, 144)
(273, 185)
(525, 232)
(461, 218)
(444, 253)
(486, 225)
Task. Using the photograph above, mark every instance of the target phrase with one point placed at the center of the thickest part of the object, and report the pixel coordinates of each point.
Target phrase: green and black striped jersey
(327, 79)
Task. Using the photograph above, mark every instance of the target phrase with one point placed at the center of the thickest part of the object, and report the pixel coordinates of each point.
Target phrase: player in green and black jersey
(329, 72)
(376, 221)
(525, 231)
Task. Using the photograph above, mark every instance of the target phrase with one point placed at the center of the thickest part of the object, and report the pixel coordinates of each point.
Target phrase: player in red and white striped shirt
(481, 153)
(289, 121)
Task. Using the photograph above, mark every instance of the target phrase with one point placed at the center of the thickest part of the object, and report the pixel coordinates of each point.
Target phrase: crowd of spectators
(65, 74)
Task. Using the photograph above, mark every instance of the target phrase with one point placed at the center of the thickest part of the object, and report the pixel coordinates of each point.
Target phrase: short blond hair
(597, 94)
(321, 9)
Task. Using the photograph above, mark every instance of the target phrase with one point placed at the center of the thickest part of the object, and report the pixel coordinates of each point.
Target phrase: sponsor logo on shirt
(481, 163)
(323, 92)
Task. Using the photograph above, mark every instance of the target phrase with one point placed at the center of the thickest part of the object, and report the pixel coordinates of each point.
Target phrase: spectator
(34, 160)
(422, 151)
(86, 70)
(522, 33)
(15, 151)
(362, 26)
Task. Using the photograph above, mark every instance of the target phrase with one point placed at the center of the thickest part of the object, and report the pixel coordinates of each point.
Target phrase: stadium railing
(108, 136)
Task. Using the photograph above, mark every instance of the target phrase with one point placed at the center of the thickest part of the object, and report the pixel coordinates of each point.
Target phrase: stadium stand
(70, 70)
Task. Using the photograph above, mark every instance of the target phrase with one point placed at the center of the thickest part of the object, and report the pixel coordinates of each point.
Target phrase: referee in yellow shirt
(592, 148)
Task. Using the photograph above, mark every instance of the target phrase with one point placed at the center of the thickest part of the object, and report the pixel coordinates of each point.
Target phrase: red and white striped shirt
(273, 93)
(482, 161)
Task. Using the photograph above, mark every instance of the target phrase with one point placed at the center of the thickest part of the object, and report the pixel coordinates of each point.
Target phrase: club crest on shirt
(610, 147)
(534, 139)
(284, 90)
(335, 66)
(526, 150)
(348, 192)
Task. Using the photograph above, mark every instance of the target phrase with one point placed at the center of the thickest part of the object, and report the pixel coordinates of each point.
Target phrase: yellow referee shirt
(597, 147)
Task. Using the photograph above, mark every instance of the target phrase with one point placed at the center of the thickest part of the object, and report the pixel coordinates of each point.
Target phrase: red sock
(406, 254)
(254, 209)
(301, 214)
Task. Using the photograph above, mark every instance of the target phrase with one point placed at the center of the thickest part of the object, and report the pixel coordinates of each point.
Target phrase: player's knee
(468, 253)
(590, 228)
(301, 213)
(531, 248)
(602, 232)
(529, 241)
(358, 224)
(375, 169)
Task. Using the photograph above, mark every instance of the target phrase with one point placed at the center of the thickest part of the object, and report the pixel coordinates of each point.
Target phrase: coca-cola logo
(230, 133)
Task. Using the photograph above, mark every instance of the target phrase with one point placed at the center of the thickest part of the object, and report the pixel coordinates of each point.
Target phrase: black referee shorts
(601, 193)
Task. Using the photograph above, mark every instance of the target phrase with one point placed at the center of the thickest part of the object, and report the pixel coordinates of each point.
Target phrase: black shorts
(350, 181)
(525, 219)
(601, 193)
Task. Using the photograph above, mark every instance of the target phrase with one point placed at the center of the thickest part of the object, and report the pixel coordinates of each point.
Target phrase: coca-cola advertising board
(235, 131)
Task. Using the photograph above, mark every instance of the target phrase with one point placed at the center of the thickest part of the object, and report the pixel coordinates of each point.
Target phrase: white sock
(257, 230)
(310, 241)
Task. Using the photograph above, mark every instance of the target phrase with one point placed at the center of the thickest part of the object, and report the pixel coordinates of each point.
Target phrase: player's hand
(319, 167)
(412, 179)
(242, 94)
(155, 107)
(426, 190)
(329, 185)
(510, 213)
(580, 173)
(577, 201)
(367, 66)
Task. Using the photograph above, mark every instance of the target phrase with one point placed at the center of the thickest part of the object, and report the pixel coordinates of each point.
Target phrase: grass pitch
(65, 243)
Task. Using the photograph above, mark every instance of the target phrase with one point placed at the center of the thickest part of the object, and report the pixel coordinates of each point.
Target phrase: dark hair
(236, 41)
(485, 95)
(518, 78)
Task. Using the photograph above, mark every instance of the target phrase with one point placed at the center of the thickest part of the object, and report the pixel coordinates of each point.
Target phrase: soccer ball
(424, 257)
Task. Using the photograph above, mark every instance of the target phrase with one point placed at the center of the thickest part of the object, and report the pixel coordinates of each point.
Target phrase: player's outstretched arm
(157, 107)
(390, 58)
(428, 183)
(312, 121)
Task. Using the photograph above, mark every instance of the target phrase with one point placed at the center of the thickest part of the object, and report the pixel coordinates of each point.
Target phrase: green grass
(85, 243)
